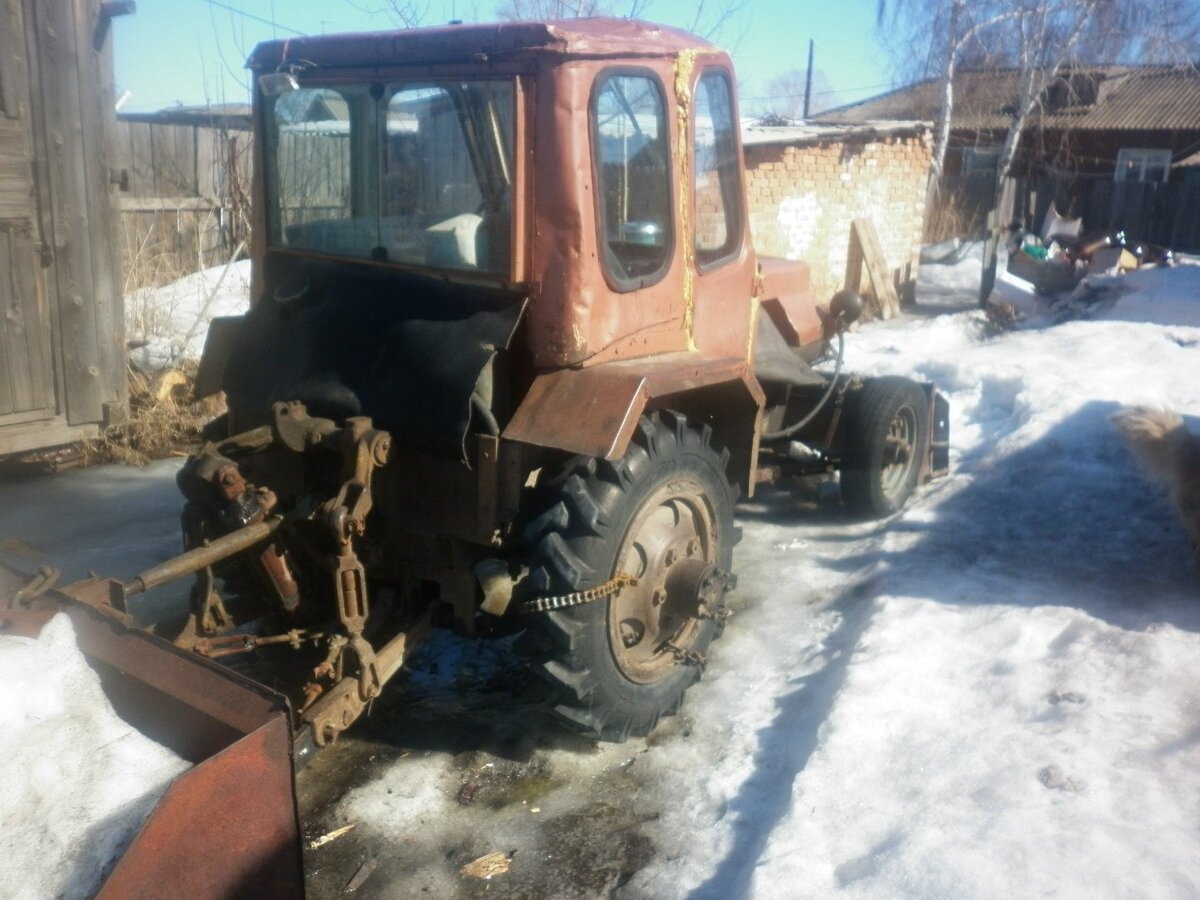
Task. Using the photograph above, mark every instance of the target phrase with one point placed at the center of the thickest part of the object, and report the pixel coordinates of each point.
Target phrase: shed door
(26, 364)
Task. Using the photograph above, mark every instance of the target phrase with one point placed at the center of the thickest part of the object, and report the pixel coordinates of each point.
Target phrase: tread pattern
(868, 417)
(574, 543)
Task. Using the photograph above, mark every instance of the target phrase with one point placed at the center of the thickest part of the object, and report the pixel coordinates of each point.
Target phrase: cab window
(632, 154)
(718, 204)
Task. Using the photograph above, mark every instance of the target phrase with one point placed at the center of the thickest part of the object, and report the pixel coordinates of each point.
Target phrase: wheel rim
(899, 452)
(670, 547)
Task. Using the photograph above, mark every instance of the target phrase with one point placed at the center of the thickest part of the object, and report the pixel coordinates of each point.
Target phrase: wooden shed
(62, 359)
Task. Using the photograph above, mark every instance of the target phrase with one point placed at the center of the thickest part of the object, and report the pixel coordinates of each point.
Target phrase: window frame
(383, 88)
(732, 192)
(608, 262)
(981, 160)
(1144, 157)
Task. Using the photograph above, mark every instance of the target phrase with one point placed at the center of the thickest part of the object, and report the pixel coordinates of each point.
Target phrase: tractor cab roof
(595, 38)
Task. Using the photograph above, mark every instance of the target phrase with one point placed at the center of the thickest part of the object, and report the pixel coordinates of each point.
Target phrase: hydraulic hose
(837, 370)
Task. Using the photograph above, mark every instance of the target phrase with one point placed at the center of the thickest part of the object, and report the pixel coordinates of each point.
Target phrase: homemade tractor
(510, 359)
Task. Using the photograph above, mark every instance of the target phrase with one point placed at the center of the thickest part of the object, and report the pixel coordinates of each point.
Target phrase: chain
(577, 598)
(686, 657)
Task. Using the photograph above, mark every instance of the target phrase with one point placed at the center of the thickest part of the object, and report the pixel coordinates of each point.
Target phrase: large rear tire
(662, 514)
(887, 437)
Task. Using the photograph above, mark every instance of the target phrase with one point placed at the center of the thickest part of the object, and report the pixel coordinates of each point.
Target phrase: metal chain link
(577, 598)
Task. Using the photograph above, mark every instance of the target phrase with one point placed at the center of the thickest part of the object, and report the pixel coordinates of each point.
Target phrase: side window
(632, 153)
(1136, 164)
(718, 213)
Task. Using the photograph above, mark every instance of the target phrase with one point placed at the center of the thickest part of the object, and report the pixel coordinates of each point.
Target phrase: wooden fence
(184, 197)
(1154, 213)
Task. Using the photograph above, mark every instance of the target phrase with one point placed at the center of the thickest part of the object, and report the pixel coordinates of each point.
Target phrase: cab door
(721, 254)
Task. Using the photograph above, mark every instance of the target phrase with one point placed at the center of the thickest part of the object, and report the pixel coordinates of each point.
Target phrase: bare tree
(403, 13)
(952, 29)
(785, 94)
(712, 19)
(516, 10)
(1036, 38)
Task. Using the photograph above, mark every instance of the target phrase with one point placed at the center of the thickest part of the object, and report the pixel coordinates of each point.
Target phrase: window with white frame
(1140, 164)
(980, 160)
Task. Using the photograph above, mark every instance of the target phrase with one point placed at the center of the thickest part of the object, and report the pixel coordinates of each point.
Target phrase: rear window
(414, 173)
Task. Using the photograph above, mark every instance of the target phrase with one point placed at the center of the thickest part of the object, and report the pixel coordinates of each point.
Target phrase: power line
(251, 16)
(863, 87)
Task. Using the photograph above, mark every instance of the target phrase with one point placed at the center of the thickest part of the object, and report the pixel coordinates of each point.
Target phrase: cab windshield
(414, 173)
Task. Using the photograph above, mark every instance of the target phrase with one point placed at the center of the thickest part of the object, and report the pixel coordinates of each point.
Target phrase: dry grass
(163, 420)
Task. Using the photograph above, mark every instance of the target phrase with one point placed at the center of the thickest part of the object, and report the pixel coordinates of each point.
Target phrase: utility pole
(808, 79)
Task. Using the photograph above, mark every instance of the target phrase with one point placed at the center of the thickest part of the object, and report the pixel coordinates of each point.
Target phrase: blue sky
(189, 51)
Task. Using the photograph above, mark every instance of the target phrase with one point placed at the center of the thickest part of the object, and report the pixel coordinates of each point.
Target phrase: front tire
(662, 514)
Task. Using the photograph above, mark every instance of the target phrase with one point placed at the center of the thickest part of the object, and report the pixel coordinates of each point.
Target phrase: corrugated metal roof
(1085, 98)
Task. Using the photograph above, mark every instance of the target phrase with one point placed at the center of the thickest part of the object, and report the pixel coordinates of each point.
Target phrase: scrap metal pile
(1058, 257)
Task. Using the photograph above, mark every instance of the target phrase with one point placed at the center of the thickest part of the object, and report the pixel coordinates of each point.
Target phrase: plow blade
(228, 826)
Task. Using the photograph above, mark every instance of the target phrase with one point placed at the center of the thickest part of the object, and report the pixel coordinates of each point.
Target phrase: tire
(663, 513)
(886, 437)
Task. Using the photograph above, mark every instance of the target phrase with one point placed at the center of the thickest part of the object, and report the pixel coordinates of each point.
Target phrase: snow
(77, 781)
(990, 694)
(998, 699)
(171, 322)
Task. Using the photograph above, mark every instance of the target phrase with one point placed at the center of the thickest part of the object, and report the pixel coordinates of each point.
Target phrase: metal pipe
(202, 557)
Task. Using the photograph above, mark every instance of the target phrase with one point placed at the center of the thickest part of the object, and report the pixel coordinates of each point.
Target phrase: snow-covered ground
(992, 694)
(167, 325)
(77, 781)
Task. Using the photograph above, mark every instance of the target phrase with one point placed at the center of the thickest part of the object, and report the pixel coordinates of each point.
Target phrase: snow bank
(991, 696)
(173, 320)
(77, 781)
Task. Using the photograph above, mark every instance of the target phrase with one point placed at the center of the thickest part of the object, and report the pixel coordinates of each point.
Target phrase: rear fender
(594, 411)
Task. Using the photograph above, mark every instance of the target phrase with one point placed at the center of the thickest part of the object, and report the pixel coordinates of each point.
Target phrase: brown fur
(1170, 453)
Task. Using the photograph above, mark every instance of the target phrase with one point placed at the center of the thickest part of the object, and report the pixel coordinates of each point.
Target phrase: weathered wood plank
(19, 438)
(95, 73)
(141, 159)
(26, 382)
(207, 157)
(42, 216)
(865, 249)
(62, 110)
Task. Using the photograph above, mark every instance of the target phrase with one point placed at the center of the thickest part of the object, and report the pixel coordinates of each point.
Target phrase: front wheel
(663, 515)
(886, 437)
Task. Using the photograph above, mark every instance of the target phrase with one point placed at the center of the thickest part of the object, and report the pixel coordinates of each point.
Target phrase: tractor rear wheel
(663, 515)
(887, 436)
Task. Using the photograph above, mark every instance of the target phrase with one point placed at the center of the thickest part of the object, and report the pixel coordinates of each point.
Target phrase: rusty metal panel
(595, 37)
(225, 828)
(594, 411)
(788, 299)
(228, 827)
(589, 411)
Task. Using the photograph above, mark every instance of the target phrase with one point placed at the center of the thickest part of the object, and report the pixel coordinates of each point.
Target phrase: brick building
(805, 183)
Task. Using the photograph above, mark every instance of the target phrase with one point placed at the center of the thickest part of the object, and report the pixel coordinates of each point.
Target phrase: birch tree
(1036, 38)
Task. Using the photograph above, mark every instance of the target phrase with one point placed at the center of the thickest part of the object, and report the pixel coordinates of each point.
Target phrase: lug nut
(669, 559)
(658, 597)
(691, 547)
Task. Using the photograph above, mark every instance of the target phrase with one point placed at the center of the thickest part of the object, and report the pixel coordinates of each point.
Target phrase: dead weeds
(164, 420)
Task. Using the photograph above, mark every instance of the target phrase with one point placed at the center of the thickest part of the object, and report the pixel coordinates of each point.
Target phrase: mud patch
(463, 761)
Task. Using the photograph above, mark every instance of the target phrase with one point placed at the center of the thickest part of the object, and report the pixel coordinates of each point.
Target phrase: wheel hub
(670, 547)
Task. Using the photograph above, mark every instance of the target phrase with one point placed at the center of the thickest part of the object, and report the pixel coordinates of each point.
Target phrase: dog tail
(1156, 437)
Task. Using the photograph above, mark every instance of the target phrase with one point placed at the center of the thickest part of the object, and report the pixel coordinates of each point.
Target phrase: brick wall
(802, 197)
